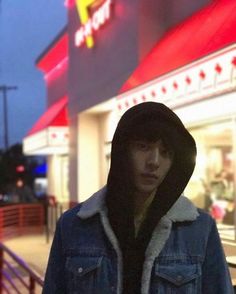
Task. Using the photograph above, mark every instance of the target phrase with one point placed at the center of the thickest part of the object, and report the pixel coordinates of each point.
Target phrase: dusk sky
(26, 29)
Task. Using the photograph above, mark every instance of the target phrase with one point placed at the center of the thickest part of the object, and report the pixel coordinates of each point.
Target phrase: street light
(4, 89)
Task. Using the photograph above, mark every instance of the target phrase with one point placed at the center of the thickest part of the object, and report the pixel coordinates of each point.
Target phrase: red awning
(209, 30)
(55, 116)
(53, 55)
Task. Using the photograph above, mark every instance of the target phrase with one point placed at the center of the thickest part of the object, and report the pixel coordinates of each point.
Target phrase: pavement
(33, 249)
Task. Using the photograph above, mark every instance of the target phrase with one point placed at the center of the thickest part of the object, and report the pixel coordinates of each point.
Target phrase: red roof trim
(54, 116)
(209, 30)
(54, 55)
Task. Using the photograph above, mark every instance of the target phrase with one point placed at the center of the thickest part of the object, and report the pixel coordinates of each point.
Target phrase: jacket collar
(182, 210)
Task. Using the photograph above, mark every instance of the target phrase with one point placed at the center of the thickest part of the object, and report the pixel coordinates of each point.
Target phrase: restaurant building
(50, 134)
(123, 52)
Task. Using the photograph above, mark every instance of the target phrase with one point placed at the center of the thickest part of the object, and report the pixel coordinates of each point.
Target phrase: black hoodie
(149, 121)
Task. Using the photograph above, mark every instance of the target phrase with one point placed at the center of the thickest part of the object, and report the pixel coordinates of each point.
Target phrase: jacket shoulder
(203, 214)
(71, 213)
(205, 220)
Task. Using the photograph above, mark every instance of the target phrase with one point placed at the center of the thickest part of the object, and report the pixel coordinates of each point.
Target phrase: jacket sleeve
(215, 273)
(54, 282)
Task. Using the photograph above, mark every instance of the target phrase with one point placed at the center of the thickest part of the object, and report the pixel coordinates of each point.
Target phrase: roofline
(51, 44)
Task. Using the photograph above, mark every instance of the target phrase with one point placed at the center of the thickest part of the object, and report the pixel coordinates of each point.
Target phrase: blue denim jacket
(184, 254)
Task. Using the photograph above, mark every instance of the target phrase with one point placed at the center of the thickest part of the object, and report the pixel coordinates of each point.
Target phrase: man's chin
(146, 191)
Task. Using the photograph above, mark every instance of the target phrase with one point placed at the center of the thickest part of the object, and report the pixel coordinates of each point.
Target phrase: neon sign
(90, 24)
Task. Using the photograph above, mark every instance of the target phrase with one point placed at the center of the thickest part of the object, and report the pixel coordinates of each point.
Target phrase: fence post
(47, 225)
(1, 224)
(21, 216)
(42, 218)
(1, 269)
(32, 286)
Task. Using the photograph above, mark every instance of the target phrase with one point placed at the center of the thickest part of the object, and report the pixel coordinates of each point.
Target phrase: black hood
(150, 121)
(163, 121)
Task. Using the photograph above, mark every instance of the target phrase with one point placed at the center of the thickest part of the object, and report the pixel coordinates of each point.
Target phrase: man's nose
(154, 157)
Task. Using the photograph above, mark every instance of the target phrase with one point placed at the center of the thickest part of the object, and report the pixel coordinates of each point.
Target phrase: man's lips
(149, 176)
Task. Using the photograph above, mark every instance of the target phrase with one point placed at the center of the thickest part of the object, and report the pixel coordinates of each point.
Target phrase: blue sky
(26, 29)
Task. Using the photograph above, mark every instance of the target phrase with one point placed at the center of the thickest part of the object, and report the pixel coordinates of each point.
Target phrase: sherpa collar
(182, 210)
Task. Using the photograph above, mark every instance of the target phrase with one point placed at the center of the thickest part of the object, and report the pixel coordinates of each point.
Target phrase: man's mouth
(149, 176)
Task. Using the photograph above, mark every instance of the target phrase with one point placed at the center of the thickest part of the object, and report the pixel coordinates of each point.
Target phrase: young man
(139, 234)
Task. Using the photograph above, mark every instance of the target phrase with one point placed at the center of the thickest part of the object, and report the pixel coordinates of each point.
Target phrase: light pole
(4, 89)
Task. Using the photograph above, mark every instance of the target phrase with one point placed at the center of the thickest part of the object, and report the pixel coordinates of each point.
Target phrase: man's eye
(142, 146)
(166, 153)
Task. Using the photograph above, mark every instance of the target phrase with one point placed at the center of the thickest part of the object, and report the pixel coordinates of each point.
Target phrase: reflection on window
(212, 184)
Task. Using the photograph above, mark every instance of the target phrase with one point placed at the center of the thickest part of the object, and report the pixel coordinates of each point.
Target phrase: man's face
(150, 163)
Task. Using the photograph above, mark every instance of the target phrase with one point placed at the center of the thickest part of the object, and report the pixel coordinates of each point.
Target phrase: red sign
(91, 23)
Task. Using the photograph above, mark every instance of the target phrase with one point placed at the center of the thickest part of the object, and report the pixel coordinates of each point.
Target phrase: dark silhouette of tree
(15, 165)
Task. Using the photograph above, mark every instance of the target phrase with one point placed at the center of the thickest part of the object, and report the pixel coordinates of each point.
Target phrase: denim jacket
(184, 254)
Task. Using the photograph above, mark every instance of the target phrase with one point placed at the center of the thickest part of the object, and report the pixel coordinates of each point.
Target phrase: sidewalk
(33, 249)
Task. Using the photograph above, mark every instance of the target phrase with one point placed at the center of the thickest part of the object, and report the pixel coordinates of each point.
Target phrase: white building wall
(95, 132)
(73, 160)
(54, 176)
(57, 177)
(217, 108)
(108, 122)
(88, 155)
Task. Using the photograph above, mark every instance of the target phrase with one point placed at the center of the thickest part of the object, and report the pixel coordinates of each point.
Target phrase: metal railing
(20, 219)
(15, 275)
